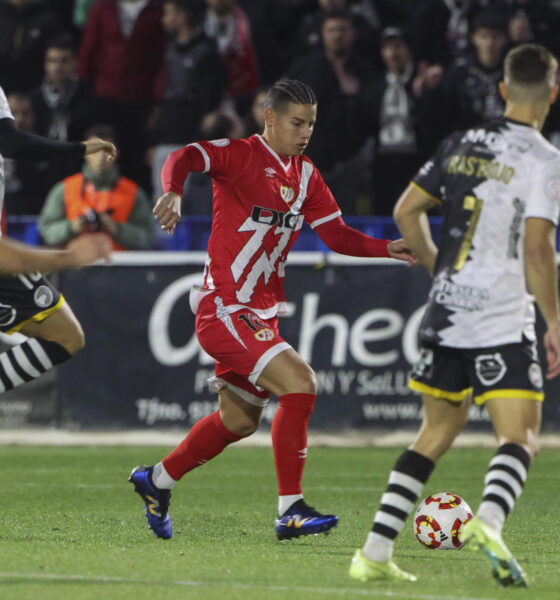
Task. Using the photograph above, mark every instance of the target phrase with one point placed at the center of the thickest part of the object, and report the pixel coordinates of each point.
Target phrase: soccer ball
(439, 519)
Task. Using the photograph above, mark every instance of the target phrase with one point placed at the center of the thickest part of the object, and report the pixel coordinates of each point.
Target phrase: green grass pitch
(72, 528)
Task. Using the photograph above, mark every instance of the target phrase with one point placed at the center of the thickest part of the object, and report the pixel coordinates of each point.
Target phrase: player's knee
(247, 428)
(303, 381)
(243, 424)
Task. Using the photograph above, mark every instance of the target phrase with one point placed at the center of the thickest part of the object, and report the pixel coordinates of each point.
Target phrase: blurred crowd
(392, 78)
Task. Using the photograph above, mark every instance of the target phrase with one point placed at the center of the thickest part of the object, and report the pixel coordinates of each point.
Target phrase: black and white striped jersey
(489, 180)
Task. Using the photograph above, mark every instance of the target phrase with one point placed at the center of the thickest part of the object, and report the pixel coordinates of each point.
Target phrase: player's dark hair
(194, 9)
(285, 91)
(64, 41)
(532, 68)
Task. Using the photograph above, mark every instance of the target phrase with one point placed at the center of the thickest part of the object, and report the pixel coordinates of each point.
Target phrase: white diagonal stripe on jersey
(10, 371)
(406, 481)
(40, 354)
(204, 156)
(306, 172)
(389, 520)
(397, 501)
(24, 363)
(512, 462)
(498, 490)
(225, 318)
(325, 219)
(506, 477)
(251, 247)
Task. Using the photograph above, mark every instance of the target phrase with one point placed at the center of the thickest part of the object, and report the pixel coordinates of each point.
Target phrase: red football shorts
(242, 345)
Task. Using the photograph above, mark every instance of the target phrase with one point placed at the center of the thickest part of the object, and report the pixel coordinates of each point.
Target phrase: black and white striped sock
(503, 484)
(29, 360)
(410, 473)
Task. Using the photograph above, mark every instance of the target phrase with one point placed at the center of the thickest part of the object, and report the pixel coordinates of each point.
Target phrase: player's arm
(542, 278)
(15, 143)
(16, 258)
(343, 239)
(173, 175)
(412, 221)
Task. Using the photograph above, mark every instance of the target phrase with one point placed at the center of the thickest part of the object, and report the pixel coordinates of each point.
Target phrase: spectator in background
(270, 22)
(254, 121)
(25, 25)
(25, 192)
(64, 107)
(98, 199)
(218, 125)
(227, 23)
(337, 74)
(120, 57)
(469, 93)
(367, 19)
(193, 78)
(439, 30)
(535, 21)
(392, 116)
(81, 12)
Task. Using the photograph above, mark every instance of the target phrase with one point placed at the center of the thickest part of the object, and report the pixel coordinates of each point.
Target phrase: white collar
(265, 144)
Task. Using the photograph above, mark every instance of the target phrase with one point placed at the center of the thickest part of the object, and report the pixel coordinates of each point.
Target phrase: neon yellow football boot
(505, 569)
(364, 569)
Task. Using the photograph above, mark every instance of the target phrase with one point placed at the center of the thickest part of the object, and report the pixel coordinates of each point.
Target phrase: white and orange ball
(439, 519)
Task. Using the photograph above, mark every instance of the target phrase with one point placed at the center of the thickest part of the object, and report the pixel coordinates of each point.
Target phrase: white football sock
(161, 478)
(378, 547)
(284, 502)
(492, 514)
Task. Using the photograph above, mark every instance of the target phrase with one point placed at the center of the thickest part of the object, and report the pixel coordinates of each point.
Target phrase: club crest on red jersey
(264, 335)
(287, 193)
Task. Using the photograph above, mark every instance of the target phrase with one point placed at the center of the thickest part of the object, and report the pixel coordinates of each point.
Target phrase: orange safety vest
(80, 196)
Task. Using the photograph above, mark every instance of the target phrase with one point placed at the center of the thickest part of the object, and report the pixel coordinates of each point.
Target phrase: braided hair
(285, 91)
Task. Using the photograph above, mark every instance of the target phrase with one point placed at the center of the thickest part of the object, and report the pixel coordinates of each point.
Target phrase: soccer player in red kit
(264, 189)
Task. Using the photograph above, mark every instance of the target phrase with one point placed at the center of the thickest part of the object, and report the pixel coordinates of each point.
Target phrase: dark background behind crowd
(392, 77)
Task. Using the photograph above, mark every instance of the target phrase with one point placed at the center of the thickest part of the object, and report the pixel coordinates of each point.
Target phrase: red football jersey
(260, 203)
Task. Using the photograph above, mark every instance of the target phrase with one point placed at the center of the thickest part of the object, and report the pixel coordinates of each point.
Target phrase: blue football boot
(156, 501)
(301, 519)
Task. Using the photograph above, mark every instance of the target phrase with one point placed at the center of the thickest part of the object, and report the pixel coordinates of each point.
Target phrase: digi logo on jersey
(269, 216)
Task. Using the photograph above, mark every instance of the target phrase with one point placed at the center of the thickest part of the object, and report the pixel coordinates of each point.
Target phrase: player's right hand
(88, 248)
(552, 347)
(168, 211)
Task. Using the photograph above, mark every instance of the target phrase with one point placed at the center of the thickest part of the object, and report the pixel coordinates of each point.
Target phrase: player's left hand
(96, 144)
(399, 250)
(88, 248)
(552, 347)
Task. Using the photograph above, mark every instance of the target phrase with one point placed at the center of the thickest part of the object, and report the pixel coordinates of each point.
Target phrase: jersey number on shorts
(474, 205)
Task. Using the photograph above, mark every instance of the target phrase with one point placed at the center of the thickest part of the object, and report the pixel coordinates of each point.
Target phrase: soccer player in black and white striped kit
(499, 186)
(28, 302)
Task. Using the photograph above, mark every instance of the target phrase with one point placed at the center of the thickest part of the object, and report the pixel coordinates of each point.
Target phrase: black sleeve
(15, 143)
